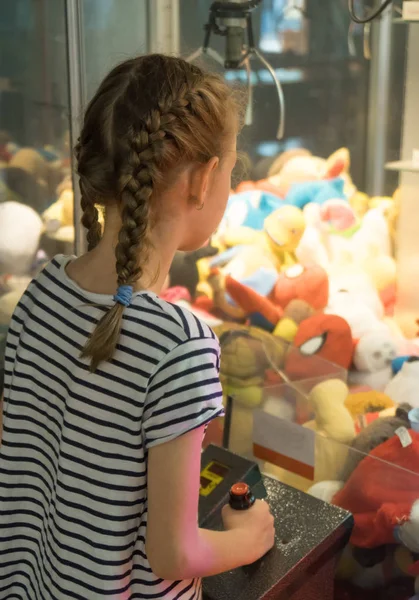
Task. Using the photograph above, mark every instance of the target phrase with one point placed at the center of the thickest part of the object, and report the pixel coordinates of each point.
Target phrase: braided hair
(150, 116)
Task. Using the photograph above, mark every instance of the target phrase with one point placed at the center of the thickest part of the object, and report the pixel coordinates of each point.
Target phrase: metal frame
(379, 104)
(164, 27)
(77, 101)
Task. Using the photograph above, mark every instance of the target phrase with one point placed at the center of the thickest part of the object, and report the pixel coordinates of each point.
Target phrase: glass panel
(36, 200)
(111, 35)
(334, 437)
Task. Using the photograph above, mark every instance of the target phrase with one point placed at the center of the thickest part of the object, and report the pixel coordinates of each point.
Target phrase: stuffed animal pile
(306, 257)
(304, 283)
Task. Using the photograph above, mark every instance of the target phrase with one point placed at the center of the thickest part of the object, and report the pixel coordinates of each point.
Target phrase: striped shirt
(73, 459)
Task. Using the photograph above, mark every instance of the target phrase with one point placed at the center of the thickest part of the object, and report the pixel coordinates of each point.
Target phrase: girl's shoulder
(176, 319)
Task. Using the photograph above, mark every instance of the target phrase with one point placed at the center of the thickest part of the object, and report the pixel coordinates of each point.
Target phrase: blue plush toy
(250, 209)
(318, 192)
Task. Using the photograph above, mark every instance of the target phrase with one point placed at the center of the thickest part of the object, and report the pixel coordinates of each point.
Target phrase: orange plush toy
(324, 336)
(310, 284)
(260, 310)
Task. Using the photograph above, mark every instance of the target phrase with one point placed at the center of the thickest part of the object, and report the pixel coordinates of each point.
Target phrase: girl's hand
(257, 523)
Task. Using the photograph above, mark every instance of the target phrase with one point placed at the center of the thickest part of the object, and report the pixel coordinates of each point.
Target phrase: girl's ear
(200, 180)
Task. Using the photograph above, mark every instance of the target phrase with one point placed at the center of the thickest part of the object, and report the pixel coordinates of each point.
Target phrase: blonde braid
(90, 219)
(90, 216)
(150, 115)
(136, 184)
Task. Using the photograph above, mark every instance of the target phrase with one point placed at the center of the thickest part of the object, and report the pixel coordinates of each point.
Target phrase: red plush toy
(310, 284)
(322, 336)
(381, 492)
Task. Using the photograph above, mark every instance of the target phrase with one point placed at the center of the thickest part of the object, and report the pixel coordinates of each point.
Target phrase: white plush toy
(357, 312)
(312, 247)
(20, 233)
(372, 360)
(404, 387)
(371, 239)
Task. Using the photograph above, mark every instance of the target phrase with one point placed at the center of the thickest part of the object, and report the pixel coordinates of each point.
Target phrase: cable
(371, 17)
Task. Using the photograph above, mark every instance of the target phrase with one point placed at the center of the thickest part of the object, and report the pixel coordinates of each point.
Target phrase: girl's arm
(176, 547)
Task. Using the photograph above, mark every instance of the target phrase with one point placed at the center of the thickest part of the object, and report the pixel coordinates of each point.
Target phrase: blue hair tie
(124, 295)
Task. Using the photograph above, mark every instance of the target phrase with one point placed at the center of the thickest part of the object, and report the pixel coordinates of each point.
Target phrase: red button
(240, 489)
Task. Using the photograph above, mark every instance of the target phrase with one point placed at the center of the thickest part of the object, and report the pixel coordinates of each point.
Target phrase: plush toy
(20, 233)
(352, 279)
(290, 167)
(248, 209)
(25, 187)
(334, 430)
(59, 217)
(46, 174)
(361, 317)
(280, 161)
(283, 231)
(366, 240)
(184, 270)
(255, 307)
(317, 192)
(296, 166)
(309, 284)
(382, 270)
(360, 203)
(295, 313)
(246, 354)
(404, 387)
(312, 249)
(337, 216)
(274, 248)
(220, 302)
(302, 169)
(367, 406)
(381, 491)
(372, 360)
(376, 433)
(320, 336)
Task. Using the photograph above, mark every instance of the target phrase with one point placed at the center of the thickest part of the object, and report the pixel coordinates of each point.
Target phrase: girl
(108, 389)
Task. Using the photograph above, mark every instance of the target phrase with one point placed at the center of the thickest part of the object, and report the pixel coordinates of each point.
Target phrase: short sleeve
(184, 393)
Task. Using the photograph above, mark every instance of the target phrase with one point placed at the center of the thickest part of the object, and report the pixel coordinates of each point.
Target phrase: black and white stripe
(73, 460)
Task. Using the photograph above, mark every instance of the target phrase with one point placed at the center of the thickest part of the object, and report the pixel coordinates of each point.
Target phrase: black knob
(241, 497)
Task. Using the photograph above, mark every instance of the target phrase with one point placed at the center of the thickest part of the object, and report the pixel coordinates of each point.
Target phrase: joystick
(241, 497)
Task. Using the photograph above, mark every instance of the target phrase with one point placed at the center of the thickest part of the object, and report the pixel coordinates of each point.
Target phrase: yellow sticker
(209, 480)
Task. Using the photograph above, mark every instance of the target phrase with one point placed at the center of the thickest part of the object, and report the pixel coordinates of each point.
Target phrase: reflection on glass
(36, 199)
(283, 26)
(111, 35)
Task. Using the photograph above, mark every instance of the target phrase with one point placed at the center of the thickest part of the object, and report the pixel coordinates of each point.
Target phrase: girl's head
(157, 148)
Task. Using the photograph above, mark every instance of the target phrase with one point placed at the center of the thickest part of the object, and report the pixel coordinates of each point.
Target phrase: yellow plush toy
(334, 429)
(272, 248)
(361, 403)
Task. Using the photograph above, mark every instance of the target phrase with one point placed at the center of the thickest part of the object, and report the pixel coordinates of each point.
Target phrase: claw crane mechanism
(233, 21)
